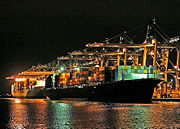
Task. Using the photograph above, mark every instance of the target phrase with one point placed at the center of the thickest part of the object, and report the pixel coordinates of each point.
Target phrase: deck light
(124, 49)
(62, 68)
(20, 79)
(78, 68)
(153, 41)
(97, 66)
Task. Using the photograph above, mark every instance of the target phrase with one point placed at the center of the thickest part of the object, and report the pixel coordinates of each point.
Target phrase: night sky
(39, 31)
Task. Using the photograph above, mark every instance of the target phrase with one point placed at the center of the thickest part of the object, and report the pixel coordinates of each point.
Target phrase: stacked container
(137, 72)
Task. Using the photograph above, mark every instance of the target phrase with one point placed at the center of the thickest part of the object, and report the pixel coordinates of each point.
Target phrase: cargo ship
(131, 90)
(116, 69)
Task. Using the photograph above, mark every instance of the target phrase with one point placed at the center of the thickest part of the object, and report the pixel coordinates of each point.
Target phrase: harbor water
(76, 114)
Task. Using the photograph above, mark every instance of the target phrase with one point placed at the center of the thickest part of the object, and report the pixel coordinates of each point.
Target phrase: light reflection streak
(139, 114)
(27, 114)
(17, 100)
(18, 115)
(60, 117)
(89, 114)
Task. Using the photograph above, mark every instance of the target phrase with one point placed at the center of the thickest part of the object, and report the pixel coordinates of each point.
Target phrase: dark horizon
(33, 32)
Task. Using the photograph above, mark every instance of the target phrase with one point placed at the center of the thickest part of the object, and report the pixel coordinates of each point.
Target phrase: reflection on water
(60, 115)
(42, 114)
(26, 113)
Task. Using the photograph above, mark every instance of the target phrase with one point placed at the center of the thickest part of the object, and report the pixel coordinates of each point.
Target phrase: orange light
(97, 66)
(130, 58)
(40, 83)
(119, 53)
(153, 41)
(20, 79)
(17, 101)
(124, 49)
(152, 53)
